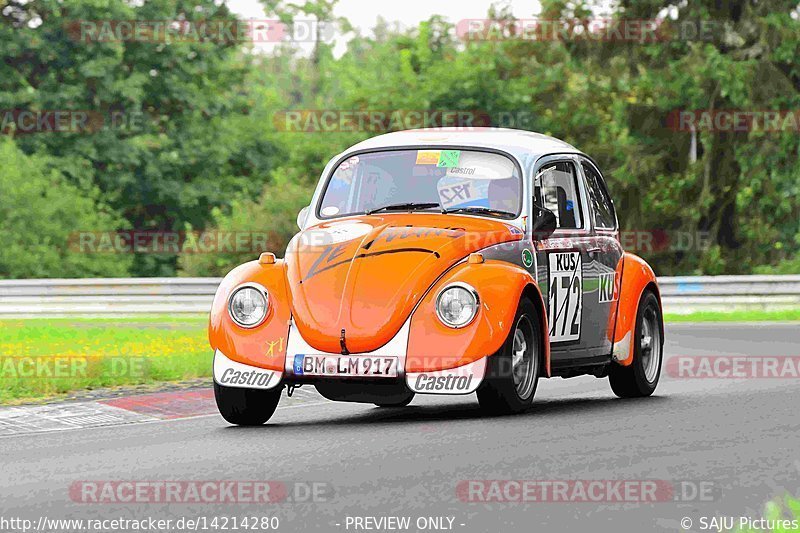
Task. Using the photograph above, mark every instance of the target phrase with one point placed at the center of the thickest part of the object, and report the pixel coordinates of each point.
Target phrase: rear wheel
(640, 378)
(246, 407)
(512, 373)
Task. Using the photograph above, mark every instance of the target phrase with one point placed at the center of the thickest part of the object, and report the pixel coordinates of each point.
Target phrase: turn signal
(475, 259)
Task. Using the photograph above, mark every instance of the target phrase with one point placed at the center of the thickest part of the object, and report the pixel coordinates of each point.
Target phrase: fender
(265, 345)
(636, 276)
(433, 346)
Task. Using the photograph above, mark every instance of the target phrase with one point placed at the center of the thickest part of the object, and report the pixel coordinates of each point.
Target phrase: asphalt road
(735, 439)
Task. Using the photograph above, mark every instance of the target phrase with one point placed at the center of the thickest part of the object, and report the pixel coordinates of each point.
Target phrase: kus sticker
(607, 287)
(428, 157)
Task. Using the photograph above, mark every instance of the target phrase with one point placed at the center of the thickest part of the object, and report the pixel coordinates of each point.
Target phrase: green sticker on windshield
(448, 158)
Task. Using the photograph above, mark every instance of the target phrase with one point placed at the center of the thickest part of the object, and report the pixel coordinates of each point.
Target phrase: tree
(172, 140)
(42, 220)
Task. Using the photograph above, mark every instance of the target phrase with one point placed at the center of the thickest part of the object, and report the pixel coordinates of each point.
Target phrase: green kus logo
(527, 258)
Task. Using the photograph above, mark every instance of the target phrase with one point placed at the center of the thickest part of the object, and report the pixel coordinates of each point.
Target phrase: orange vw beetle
(441, 262)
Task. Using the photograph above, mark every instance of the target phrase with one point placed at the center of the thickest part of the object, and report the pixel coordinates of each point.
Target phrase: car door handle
(593, 251)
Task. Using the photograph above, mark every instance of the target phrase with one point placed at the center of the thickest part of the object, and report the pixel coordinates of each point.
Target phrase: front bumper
(464, 379)
(230, 373)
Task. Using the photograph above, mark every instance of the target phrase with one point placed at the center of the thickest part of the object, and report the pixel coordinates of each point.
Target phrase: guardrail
(728, 293)
(106, 297)
(170, 296)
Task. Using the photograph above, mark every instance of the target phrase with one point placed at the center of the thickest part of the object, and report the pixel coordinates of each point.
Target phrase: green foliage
(185, 145)
(783, 514)
(209, 153)
(103, 353)
(271, 220)
(40, 213)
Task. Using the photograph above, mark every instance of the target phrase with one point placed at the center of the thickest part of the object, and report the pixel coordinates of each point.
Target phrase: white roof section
(523, 144)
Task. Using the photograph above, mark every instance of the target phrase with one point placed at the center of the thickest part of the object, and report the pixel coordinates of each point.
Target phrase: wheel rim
(650, 344)
(523, 359)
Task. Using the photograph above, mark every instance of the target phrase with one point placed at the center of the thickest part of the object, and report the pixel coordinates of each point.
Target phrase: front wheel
(640, 378)
(512, 373)
(246, 407)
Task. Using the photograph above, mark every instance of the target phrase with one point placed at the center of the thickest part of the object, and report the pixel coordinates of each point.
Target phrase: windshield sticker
(484, 166)
(449, 158)
(330, 211)
(350, 163)
(452, 192)
(461, 171)
(428, 157)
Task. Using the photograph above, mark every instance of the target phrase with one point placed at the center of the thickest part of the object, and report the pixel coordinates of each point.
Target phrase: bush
(40, 217)
(272, 217)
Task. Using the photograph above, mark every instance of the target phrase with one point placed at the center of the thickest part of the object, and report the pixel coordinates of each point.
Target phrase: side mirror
(301, 217)
(544, 222)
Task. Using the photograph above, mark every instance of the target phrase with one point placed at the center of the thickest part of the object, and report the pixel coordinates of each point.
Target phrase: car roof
(525, 145)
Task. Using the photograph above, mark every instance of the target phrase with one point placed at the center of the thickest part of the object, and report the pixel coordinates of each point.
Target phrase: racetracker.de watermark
(220, 31)
(609, 30)
(199, 492)
(71, 366)
(538, 29)
(30, 121)
(733, 367)
(734, 120)
(255, 242)
(584, 491)
(169, 242)
(595, 30)
(381, 120)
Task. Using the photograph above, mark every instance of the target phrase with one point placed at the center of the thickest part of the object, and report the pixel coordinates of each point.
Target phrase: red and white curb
(151, 407)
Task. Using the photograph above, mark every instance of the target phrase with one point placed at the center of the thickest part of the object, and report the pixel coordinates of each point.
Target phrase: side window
(559, 193)
(603, 208)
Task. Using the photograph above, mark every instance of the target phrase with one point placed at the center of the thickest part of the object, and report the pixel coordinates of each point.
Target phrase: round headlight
(457, 305)
(248, 305)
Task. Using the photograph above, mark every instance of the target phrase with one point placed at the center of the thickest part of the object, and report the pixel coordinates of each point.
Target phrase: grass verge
(46, 358)
(787, 315)
(42, 358)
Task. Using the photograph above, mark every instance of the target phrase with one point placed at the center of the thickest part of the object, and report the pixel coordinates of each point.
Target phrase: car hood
(360, 277)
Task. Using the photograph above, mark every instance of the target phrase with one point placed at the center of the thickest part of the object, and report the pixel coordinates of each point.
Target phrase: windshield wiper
(479, 209)
(408, 206)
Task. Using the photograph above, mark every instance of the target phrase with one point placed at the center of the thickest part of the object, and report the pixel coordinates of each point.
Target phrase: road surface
(735, 440)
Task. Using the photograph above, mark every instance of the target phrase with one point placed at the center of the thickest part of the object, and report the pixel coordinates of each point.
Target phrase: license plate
(345, 365)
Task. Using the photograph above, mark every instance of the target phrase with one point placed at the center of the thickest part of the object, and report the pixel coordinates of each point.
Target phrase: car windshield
(463, 181)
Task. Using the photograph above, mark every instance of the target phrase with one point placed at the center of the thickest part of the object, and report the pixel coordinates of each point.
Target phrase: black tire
(401, 403)
(632, 381)
(246, 407)
(500, 393)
